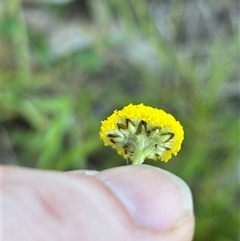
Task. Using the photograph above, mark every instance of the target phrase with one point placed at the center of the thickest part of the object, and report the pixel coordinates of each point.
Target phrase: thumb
(132, 203)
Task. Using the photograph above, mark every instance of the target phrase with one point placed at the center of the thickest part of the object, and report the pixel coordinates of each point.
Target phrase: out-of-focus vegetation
(66, 67)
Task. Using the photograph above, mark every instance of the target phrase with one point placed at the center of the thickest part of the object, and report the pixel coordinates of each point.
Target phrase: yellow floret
(138, 132)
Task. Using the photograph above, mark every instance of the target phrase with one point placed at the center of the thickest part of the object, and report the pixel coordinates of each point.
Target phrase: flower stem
(140, 154)
(138, 158)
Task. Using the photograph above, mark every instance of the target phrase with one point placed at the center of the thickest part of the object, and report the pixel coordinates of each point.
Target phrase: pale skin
(130, 203)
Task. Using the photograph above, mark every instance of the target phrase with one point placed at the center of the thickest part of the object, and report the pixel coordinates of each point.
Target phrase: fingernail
(155, 198)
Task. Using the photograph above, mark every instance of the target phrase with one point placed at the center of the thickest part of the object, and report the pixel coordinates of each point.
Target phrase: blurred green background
(67, 65)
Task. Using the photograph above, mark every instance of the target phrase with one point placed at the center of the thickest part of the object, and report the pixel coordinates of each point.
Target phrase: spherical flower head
(140, 132)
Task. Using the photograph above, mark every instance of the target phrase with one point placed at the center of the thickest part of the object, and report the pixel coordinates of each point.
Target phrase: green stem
(141, 154)
(20, 40)
(138, 157)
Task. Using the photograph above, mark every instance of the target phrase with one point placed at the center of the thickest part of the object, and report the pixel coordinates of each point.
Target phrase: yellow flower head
(140, 132)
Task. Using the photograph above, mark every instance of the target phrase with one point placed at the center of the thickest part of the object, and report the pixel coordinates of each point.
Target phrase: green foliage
(52, 108)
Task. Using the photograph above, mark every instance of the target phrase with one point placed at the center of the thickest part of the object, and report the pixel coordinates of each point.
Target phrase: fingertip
(155, 198)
